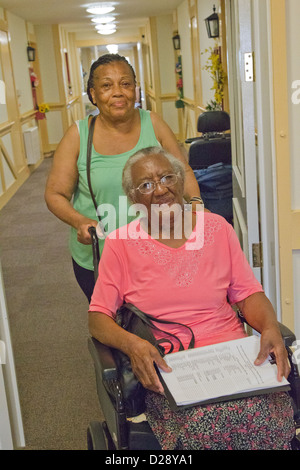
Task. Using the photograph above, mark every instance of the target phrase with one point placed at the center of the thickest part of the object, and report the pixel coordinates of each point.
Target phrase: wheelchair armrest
(192, 139)
(103, 360)
(287, 335)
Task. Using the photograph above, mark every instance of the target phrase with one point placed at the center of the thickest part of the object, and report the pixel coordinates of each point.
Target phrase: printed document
(220, 371)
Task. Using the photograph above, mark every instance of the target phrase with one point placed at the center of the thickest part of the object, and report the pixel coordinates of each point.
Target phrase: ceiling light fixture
(105, 26)
(103, 19)
(100, 9)
(106, 31)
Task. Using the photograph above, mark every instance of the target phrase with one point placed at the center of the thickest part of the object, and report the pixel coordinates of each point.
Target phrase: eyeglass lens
(149, 186)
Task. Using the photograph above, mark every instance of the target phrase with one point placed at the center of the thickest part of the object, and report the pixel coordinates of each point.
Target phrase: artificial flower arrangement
(218, 75)
(42, 109)
(179, 84)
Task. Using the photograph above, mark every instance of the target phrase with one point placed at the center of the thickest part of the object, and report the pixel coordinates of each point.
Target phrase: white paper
(218, 370)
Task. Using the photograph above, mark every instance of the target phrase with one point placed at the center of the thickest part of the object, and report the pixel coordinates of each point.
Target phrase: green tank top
(106, 178)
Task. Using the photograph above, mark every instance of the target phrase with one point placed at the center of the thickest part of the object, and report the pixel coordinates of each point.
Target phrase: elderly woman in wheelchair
(187, 266)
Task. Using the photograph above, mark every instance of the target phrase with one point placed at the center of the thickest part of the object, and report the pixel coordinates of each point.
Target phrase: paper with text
(218, 370)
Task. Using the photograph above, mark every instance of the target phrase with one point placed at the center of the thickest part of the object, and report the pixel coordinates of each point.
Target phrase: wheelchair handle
(95, 248)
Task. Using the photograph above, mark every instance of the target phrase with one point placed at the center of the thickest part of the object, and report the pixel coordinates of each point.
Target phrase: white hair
(177, 166)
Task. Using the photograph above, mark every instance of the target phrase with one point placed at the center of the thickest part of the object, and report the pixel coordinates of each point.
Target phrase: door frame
(262, 213)
(242, 110)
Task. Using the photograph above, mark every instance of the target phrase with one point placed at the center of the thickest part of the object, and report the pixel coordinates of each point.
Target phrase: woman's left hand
(271, 343)
(259, 313)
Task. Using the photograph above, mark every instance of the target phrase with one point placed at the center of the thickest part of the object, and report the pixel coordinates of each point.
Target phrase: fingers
(283, 366)
(280, 354)
(143, 368)
(83, 235)
(262, 356)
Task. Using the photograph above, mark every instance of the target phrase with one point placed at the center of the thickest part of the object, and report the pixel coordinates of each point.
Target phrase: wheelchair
(210, 159)
(120, 431)
(214, 145)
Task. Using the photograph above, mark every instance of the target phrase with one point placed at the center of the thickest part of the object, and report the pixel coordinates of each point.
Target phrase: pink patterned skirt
(262, 422)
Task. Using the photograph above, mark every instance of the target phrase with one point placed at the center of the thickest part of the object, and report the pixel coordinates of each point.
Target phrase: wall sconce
(30, 54)
(176, 42)
(212, 24)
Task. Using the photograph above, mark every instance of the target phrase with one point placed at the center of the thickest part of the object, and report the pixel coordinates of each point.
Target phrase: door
(241, 102)
(6, 442)
(11, 425)
(250, 98)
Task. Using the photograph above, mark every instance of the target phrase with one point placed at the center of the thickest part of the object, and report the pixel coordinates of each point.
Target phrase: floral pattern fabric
(262, 422)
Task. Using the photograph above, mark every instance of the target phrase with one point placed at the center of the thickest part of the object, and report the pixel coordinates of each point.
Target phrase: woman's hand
(83, 235)
(271, 343)
(259, 313)
(143, 355)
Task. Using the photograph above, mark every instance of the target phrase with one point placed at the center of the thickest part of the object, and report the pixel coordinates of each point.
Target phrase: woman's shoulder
(216, 223)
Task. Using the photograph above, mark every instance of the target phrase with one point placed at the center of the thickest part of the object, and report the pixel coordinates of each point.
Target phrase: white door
(250, 99)
(6, 442)
(242, 112)
(11, 425)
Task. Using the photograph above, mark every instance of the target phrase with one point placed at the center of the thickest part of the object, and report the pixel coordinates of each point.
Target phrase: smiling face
(153, 168)
(113, 90)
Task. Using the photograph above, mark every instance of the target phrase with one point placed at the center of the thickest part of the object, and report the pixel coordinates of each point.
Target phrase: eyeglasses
(149, 186)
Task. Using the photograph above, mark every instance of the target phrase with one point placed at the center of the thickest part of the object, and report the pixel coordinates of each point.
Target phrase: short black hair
(104, 60)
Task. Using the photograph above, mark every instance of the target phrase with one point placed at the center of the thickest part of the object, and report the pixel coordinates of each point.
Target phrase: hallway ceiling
(130, 15)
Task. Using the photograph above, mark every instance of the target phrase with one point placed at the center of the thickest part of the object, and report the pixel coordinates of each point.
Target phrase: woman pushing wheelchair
(187, 266)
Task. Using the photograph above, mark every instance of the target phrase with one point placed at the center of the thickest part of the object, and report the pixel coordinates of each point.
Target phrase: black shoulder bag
(141, 324)
(92, 230)
(88, 162)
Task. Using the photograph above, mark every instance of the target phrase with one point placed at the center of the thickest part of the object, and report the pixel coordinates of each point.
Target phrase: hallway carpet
(48, 322)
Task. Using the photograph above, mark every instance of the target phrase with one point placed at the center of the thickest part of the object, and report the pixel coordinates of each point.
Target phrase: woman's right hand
(83, 234)
(143, 355)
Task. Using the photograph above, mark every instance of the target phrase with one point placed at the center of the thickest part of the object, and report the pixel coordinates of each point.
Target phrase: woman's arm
(259, 313)
(62, 182)
(141, 353)
(167, 139)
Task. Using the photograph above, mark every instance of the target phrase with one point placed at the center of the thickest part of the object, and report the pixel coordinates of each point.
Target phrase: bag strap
(88, 162)
(149, 319)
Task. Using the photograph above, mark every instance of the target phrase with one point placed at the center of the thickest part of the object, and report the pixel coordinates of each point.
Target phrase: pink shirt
(192, 286)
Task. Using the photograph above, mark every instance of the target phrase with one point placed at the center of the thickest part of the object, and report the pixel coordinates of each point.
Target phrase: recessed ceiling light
(100, 9)
(103, 19)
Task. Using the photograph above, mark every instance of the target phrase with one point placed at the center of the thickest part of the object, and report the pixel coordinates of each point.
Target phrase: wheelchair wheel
(96, 436)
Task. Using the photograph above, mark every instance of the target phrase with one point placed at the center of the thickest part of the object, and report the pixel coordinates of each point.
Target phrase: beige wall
(205, 9)
(293, 81)
(183, 18)
(284, 14)
(17, 112)
(18, 44)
